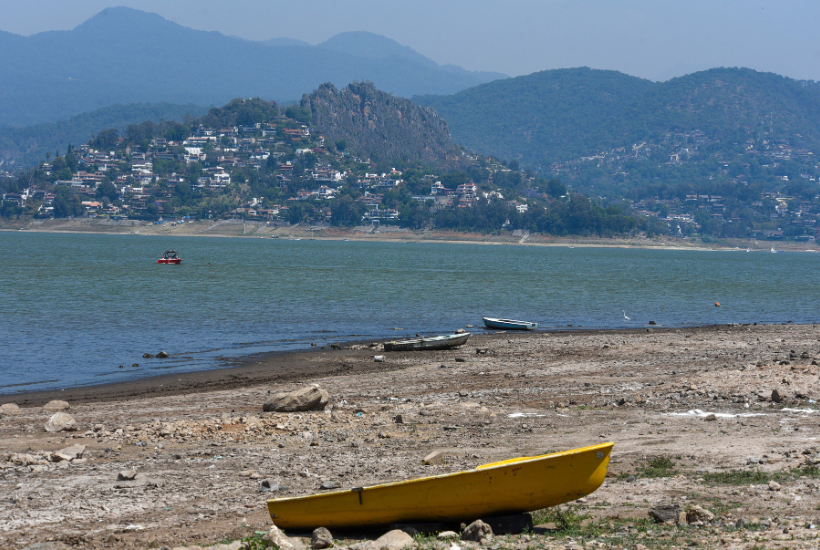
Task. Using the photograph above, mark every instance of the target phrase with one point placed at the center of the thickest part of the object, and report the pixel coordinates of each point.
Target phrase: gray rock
(445, 535)
(306, 399)
(56, 405)
(699, 516)
(268, 486)
(162, 355)
(710, 417)
(433, 459)
(330, 485)
(665, 513)
(476, 531)
(279, 539)
(393, 540)
(777, 397)
(127, 475)
(321, 538)
(69, 453)
(9, 408)
(148, 355)
(774, 486)
(741, 523)
(61, 422)
(23, 459)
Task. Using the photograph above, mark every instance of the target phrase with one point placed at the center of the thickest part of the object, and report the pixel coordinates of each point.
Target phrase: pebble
(56, 405)
(433, 459)
(127, 475)
(774, 486)
(268, 486)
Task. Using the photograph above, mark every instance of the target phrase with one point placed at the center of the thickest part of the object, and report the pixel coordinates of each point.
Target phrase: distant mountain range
(122, 55)
(559, 115)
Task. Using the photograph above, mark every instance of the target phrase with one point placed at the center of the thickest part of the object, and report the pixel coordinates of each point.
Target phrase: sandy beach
(692, 414)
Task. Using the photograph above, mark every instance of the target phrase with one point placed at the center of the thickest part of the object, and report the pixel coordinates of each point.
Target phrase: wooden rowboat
(509, 324)
(432, 343)
(501, 488)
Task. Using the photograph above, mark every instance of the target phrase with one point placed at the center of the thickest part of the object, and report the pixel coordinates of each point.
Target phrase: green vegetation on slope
(559, 115)
(28, 145)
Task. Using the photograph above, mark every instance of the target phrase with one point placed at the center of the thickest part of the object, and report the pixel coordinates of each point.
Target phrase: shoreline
(691, 412)
(249, 230)
(284, 367)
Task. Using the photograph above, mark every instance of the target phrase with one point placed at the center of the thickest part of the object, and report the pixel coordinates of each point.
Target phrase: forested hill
(379, 125)
(558, 115)
(122, 55)
(28, 145)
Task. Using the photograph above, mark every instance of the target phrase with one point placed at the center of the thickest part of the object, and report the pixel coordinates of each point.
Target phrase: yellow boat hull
(501, 488)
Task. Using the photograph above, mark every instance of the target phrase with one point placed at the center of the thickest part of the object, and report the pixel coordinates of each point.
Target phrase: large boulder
(307, 399)
(56, 405)
(61, 422)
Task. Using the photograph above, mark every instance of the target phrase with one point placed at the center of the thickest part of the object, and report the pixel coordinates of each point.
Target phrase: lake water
(75, 307)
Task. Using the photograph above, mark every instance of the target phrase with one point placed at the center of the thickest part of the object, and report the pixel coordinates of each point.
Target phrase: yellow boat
(501, 488)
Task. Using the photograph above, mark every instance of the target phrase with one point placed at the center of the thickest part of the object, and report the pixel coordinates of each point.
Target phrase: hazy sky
(654, 39)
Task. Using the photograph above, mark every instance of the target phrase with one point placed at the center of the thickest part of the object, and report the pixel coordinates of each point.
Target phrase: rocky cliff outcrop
(379, 125)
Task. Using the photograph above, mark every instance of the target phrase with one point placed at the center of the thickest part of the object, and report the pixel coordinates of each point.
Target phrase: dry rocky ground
(258, 229)
(718, 417)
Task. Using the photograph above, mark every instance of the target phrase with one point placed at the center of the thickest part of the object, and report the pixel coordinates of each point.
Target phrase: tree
(106, 140)
(66, 203)
(346, 212)
(555, 188)
(109, 190)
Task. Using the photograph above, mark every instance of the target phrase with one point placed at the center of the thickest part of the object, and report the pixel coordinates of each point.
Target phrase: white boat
(773, 250)
(446, 341)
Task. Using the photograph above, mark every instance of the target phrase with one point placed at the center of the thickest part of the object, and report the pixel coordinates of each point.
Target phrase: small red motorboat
(169, 257)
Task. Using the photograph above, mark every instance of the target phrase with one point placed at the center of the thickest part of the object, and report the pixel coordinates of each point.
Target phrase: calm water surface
(75, 307)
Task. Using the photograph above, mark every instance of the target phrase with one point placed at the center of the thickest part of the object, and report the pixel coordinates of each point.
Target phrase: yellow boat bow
(501, 488)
